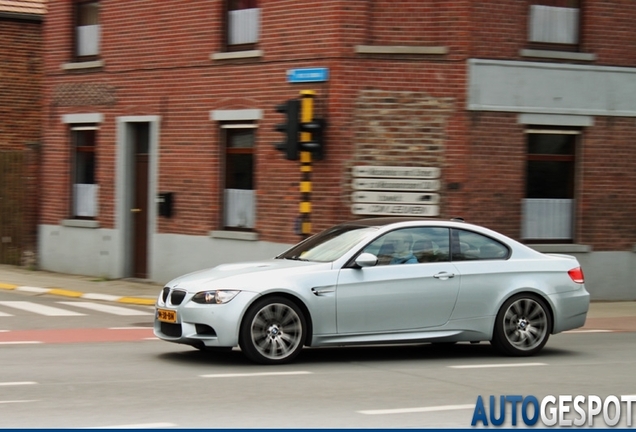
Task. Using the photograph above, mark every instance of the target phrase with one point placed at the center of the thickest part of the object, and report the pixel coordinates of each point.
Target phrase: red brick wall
(157, 62)
(20, 118)
(608, 31)
(608, 176)
(495, 172)
(20, 83)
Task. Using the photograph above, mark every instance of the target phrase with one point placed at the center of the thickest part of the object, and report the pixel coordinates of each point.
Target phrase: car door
(397, 297)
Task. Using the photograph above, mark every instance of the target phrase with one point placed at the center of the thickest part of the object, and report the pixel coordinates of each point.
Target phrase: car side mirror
(366, 260)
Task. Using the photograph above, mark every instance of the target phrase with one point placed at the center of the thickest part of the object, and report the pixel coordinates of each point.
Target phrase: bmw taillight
(576, 274)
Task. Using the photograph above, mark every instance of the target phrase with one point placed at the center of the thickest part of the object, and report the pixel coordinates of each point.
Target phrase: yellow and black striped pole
(306, 116)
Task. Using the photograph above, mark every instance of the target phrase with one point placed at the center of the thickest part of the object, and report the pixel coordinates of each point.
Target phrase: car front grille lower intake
(172, 330)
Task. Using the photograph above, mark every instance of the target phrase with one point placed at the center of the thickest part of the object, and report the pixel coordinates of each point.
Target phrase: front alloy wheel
(523, 326)
(273, 331)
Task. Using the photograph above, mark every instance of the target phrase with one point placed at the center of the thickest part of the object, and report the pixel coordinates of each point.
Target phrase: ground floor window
(548, 207)
(84, 187)
(239, 200)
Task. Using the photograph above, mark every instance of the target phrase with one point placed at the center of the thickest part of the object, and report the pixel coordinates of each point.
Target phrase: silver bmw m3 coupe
(379, 281)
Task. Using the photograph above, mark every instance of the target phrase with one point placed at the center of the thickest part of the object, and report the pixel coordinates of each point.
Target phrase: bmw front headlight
(215, 296)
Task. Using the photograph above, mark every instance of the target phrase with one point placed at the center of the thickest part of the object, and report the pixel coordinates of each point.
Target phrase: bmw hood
(252, 276)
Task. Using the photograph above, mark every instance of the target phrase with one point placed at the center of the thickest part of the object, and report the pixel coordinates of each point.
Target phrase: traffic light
(291, 109)
(315, 144)
(311, 129)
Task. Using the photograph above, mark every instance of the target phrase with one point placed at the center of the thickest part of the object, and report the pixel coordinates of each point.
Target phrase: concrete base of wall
(99, 252)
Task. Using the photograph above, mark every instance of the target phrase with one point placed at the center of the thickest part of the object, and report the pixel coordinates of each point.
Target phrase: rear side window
(471, 246)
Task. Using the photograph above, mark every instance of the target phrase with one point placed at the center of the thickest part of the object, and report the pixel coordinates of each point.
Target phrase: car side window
(471, 246)
(411, 246)
(395, 247)
(431, 244)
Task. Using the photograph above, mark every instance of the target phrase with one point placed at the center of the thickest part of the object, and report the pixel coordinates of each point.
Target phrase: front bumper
(202, 325)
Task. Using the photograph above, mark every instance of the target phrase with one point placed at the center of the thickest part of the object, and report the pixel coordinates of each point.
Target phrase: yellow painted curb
(66, 293)
(7, 286)
(136, 300)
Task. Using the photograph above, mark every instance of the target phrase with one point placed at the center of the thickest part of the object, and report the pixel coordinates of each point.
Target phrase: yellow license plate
(166, 315)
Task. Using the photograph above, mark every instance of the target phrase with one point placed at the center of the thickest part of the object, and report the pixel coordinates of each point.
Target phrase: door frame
(124, 196)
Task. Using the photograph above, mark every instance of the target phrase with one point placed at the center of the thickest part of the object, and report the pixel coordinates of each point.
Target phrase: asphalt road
(143, 382)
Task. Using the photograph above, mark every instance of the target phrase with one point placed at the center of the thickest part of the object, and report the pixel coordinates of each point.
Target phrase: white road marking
(17, 401)
(33, 289)
(138, 426)
(500, 365)
(39, 309)
(96, 296)
(418, 409)
(256, 374)
(20, 342)
(5, 314)
(589, 331)
(17, 383)
(99, 307)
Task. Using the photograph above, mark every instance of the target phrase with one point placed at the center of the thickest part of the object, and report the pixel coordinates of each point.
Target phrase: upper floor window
(84, 187)
(87, 30)
(554, 22)
(243, 24)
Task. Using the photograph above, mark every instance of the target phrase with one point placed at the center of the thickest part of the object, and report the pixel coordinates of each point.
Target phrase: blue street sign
(308, 75)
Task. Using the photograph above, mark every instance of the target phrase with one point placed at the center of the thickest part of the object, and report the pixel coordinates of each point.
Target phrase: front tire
(273, 331)
(522, 326)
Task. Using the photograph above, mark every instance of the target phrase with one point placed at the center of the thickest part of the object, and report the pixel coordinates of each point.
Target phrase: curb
(78, 294)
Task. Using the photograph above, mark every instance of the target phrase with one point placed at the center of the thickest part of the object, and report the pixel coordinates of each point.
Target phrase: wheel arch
(297, 301)
(534, 293)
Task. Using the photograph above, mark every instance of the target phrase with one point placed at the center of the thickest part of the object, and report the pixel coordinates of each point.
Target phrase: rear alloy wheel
(522, 326)
(273, 331)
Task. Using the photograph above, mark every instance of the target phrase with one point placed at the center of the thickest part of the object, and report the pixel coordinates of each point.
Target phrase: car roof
(382, 221)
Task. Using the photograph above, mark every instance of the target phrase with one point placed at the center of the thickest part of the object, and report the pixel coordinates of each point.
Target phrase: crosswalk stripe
(115, 310)
(5, 314)
(39, 309)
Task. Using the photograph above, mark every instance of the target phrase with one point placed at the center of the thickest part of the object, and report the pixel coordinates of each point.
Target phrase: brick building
(521, 114)
(20, 131)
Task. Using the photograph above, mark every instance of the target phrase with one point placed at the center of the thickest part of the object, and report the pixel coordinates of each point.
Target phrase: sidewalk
(85, 287)
(603, 315)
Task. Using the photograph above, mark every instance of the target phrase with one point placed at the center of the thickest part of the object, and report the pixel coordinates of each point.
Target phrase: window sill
(235, 235)
(83, 65)
(558, 55)
(80, 223)
(561, 248)
(236, 55)
(394, 49)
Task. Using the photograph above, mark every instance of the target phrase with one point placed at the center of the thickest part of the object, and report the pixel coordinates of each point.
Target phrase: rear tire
(522, 326)
(273, 331)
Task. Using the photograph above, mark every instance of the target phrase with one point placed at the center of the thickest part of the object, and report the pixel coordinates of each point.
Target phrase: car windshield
(328, 245)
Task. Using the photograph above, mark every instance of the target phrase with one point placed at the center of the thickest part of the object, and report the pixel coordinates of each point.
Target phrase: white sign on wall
(395, 191)
(395, 210)
(396, 172)
(391, 197)
(395, 184)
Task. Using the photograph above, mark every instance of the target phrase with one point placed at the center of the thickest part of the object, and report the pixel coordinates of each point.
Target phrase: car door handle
(444, 275)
